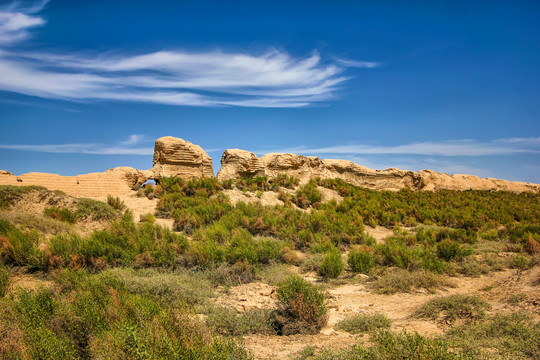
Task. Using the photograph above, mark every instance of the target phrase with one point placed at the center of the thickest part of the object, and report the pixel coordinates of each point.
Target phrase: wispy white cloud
(131, 146)
(444, 165)
(358, 64)
(175, 77)
(16, 20)
(506, 146)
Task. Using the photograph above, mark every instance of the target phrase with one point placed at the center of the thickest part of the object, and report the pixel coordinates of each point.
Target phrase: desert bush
(455, 307)
(395, 252)
(41, 223)
(308, 195)
(387, 345)
(302, 307)
(451, 249)
(332, 264)
(275, 273)
(95, 210)
(62, 214)
(227, 321)
(100, 316)
(148, 218)
(286, 181)
(361, 259)
(20, 248)
(231, 275)
(116, 203)
(181, 286)
(516, 299)
(121, 245)
(520, 262)
(399, 280)
(5, 280)
(10, 194)
(513, 336)
(364, 323)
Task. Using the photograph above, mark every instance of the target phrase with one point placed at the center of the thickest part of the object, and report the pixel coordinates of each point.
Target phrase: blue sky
(452, 86)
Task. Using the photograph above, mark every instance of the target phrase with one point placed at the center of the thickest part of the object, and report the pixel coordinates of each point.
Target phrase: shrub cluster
(96, 317)
(303, 308)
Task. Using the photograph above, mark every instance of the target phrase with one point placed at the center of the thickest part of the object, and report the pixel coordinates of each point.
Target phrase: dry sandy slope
(357, 298)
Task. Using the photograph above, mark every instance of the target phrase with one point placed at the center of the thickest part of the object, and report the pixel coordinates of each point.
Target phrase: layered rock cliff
(237, 163)
(177, 157)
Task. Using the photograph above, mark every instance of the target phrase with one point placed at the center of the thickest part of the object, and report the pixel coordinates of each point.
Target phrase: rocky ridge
(237, 163)
(177, 157)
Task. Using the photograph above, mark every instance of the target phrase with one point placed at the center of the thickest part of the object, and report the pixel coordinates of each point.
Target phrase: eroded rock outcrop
(115, 182)
(240, 163)
(177, 157)
(304, 168)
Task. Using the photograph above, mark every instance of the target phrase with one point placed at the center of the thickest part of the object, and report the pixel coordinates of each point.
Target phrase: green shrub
(364, 323)
(148, 218)
(95, 210)
(454, 307)
(275, 274)
(5, 281)
(520, 262)
(387, 345)
(62, 214)
(286, 181)
(227, 321)
(361, 260)
(302, 307)
(100, 316)
(400, 280)
(10, 194)
(332, 264)
(308, 195)
(124, 244)
(395, 252)
(20, 248)
(451, 249)
(514, 336)
(116, 203)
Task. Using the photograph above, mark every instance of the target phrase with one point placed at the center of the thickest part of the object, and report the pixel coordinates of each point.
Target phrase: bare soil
(349, 299)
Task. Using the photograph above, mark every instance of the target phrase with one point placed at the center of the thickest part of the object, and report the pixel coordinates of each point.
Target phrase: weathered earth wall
(237, 163)
(115, 182)
(177, 157)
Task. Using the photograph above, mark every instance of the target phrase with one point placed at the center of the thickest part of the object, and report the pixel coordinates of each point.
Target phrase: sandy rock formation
(239, 163)
(115, 182)
(177, 157)
(244, 163)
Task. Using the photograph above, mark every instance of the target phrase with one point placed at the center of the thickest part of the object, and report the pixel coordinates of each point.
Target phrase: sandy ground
(346, 300)
(142, 206)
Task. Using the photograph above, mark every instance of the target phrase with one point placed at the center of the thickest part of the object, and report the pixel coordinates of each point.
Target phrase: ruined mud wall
(177, 157)
(238, 163)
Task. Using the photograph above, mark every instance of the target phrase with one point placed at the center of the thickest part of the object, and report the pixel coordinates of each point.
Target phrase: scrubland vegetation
(137, 290)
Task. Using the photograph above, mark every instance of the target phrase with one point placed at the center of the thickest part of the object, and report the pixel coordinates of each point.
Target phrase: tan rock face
(239, 163)
(114, 182)
(177, 157)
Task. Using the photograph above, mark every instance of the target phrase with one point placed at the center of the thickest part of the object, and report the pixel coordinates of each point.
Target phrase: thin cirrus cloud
(505, 146)
(174, 77)
(132, 146)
